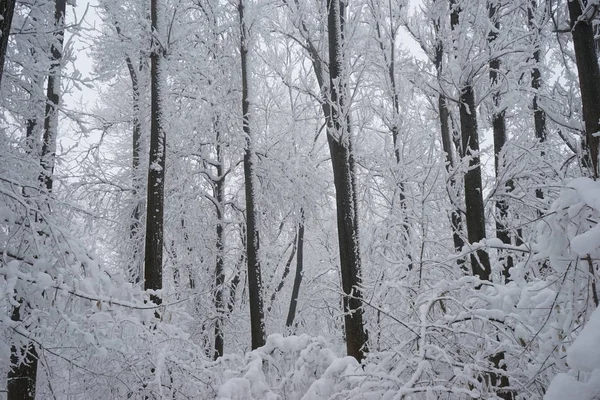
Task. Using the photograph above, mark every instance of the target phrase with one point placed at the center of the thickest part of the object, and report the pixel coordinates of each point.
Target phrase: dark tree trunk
(156, 172)
(539, 116)
(448, 147)
(475, 209)
(500, 136)
(589, 80)
(257, 324)
(286, 272)
(219, 186)
(342, 159)
(22, 376)
(298, 277)
(53, 97)
(7, 10)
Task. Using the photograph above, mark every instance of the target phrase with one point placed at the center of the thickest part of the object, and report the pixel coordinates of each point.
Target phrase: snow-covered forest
(299, 199)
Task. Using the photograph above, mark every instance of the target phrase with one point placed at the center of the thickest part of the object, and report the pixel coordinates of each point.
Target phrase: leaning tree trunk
(156, 171)
(257, 318)
(7, 10)
(298, 277)
(342, 159)
(589, 80)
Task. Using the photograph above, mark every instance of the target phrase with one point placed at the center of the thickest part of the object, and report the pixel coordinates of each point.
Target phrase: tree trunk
(219, 186)
(136, 214)
(48, 155)
(156, 171)
(7, 10)
(257, 324)
(589, 80)
(298, 277)
(475, 209)
(500, 136)
(22, 377)
(448, 148)
(342, 159)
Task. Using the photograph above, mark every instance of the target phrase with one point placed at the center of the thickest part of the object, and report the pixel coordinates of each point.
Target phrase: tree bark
(257, 324)
(475, 209)
(500, 137)
(53, 95)
(448, 148)
(219, 189)
(298, 277)
(342, 159)
(589, 80)
(156, 171)
(22, 377)
(7, 10)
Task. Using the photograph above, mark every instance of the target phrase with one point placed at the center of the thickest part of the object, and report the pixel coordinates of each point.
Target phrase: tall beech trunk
(448, 148)
(500, 137)
(257, 318)
(298, 277)
(475, 209)
(219, 192)
(53, 96)
(7, 10)
(339, 139)
(153, 261)
(589, 80)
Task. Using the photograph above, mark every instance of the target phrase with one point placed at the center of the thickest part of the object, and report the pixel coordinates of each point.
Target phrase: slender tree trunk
(298, 277)
(448, 147)
(342, 159)
(252, 239)
(475, 209)
(589, 80)
(390, 63)
(48, 155)
(500, 137)
(539, 116)
(156, 171)
(219, 186)
(7, 10)
(136, 137)
(22, 376)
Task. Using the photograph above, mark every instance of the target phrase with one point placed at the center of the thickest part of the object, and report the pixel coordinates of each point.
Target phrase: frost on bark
(500, 136)
(448, 147)
(475, 209)
(7, 10)
(48, 155)
(342, 160)
(589, 78)
(156, 171)
(257, 324)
